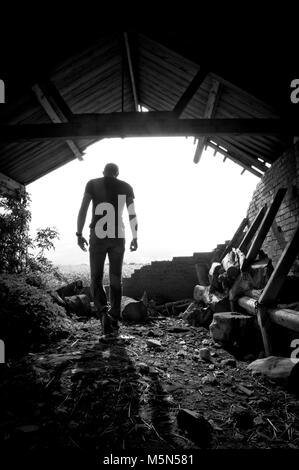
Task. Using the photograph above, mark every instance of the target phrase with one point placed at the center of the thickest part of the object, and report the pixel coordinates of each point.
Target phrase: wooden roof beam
(56, 109)
(131, 72)
(190, 92)
(213, 99)
(153, 124)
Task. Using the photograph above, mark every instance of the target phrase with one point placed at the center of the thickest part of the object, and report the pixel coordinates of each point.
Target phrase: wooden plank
(252, 229)
(56, 115)
(131, 72)
(264, 228)
(213, 99)
(190, 91)
(235, 239)
(142, 125)
(288, 256)
(265, 328)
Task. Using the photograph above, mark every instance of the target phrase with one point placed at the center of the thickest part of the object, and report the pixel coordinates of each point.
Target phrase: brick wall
(167, 281)
(283, 173)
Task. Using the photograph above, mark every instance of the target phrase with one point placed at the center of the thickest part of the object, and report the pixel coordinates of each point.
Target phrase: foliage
(16, 243)
(28, 315)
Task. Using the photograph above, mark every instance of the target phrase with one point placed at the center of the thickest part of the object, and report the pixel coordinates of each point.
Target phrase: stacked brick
(166, 281)
(283, 173)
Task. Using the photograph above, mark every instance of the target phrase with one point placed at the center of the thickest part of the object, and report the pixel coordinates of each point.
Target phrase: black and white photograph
(149, 244)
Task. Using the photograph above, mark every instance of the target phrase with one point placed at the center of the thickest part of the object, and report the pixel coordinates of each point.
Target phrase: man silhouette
(109, 195)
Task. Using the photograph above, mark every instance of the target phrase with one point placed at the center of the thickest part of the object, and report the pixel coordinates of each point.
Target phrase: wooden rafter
(131, 71)
(190, 91)
(209, 113)
(231, 156)
(241, 155)
(143, 125)
(57, 110)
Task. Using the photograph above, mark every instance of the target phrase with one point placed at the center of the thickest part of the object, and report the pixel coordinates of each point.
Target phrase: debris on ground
(130, 392)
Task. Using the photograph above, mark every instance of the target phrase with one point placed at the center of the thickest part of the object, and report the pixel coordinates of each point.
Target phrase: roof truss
(57, 110)
(144, 125)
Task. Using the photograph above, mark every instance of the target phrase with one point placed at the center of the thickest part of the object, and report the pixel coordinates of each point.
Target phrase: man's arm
(81, 220)
(133, 222)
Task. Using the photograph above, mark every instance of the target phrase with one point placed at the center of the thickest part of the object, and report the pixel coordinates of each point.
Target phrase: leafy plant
(17, 246)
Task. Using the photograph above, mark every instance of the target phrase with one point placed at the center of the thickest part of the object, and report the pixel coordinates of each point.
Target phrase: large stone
(205, 354)
(278, 369)
(197, 427)
(229, 327)
(154, 344)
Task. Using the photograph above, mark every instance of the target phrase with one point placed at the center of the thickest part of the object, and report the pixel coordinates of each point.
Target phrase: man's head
(111, 169)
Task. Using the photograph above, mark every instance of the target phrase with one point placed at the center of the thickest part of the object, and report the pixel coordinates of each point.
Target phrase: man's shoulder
(124, 184)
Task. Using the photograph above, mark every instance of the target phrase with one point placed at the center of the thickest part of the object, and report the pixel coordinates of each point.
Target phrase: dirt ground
(125, 393)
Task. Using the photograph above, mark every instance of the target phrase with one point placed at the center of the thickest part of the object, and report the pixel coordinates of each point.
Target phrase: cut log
(230, 327)
(133, 310)
(242, 286)
(249, 304)
(197, 315)
(215, 270)
(260, 272)
(216, 301)
(285, 317)
(231, 264)
(74, 288)
(78, 304)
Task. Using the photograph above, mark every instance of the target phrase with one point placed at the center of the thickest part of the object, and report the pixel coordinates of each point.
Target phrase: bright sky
(181, 207)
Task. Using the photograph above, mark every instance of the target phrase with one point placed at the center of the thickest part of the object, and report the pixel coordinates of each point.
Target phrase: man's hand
(134, 245)
(82, 242)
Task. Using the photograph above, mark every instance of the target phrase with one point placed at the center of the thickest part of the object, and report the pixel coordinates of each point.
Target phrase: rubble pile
(160, 385)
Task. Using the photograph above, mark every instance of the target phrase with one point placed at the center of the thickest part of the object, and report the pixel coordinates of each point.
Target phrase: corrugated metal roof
(96, 80)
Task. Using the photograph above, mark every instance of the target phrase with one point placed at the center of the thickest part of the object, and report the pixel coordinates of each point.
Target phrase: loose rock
(197, 427)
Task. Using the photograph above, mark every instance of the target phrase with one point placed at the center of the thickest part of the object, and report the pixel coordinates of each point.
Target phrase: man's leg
(97, 255)
(116, 256)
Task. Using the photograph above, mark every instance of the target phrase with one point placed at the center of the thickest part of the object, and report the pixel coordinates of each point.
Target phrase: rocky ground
(126, 393)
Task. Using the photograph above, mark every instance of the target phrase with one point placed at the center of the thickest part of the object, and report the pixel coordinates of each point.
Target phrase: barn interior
(207, 358)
